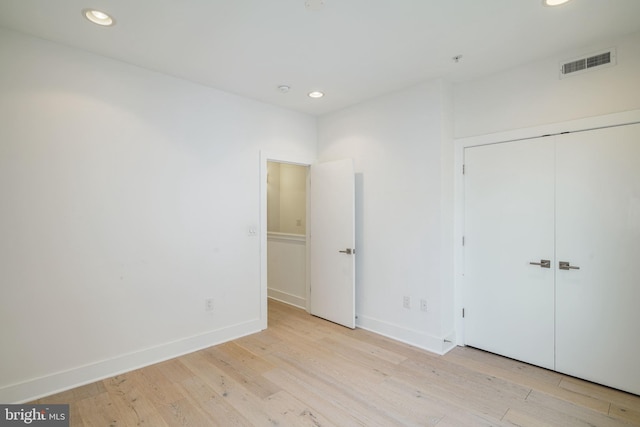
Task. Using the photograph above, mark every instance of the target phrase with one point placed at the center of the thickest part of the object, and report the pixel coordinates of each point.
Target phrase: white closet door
(598, 230)
(509, 222)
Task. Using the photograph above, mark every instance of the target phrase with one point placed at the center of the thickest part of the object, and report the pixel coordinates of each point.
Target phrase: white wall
(402, 150)
(293, 199)
(287, 268)
(533, 94)
(287, 198)
(273, 196)
(125, 200)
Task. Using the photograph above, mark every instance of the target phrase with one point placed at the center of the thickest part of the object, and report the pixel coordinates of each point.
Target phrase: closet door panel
(509, 196)
(598, 230)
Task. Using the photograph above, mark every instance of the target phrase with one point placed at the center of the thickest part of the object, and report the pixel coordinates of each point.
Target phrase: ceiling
(352, 50)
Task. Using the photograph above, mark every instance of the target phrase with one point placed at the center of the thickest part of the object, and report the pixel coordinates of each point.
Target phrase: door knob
(544, 263)
(565, 265)
(348, 251)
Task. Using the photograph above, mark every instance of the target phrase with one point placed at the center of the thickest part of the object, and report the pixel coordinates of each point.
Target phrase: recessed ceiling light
(554, 2)
(316, 94)
(98, 17)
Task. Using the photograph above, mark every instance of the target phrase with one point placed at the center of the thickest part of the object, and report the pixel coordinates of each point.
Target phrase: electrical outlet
(406, 302)
(208, 304)
(423, 305)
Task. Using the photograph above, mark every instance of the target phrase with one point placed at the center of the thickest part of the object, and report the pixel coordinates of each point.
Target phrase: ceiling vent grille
(588, 63)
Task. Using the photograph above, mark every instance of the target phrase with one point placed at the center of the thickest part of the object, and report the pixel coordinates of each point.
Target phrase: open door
(332, 235)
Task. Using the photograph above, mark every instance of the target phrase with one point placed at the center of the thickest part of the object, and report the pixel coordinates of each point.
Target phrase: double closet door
(552, 252)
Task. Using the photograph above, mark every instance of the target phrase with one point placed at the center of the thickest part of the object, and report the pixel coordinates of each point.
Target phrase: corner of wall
(419, 339)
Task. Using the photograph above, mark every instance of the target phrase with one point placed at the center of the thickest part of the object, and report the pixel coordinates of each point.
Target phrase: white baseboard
(287, 298)
(57, 382)
(437, 345)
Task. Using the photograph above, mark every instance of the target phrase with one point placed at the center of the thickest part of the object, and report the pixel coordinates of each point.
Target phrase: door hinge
(463, 169)
(463, 313)
(462, 240)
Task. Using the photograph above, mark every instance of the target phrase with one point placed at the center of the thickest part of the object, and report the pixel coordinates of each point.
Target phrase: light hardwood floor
(309, 372)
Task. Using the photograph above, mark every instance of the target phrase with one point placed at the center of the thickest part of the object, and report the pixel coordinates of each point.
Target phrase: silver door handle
(565, 265)
(544, 263)
(348, 251)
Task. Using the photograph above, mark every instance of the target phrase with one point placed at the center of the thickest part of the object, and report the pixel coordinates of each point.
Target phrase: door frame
(294, 159)
(589, 123)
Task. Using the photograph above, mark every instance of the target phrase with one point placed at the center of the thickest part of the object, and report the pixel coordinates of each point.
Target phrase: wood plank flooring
(303, 371)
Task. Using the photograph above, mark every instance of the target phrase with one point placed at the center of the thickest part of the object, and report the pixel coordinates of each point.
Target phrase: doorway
(281, 158)
(333, 220)
(287, 203)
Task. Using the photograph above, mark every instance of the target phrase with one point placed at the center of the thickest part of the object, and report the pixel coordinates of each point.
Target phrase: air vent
(588, 63)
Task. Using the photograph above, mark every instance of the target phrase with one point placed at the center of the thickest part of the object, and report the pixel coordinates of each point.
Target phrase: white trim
(50, 384)
(287, 298)
(588, 123)
(431, 343)
(578, 125)
(286, 237)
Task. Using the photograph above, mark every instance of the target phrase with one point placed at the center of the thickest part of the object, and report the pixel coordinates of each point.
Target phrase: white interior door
(598, 230)
(332, 236)
(509, 223)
